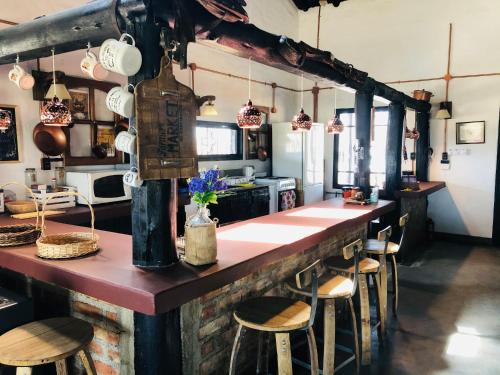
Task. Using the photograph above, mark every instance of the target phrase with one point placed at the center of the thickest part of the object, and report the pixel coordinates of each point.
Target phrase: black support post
(423, 145)
(394, 149)
(363, 110)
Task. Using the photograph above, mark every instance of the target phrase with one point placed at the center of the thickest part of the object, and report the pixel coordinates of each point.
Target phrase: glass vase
(201, 217)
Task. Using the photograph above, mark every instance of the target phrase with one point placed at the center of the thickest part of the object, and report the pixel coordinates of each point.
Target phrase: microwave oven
(100, 186)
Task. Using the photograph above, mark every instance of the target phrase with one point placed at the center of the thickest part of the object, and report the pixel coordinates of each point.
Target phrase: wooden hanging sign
(166, 127)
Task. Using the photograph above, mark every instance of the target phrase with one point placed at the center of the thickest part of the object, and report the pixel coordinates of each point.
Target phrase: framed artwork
(10, 140)
(79, 104)
(471, 132)
(105, 136)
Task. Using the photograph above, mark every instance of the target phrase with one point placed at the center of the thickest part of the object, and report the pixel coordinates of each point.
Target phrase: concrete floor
(449, 315)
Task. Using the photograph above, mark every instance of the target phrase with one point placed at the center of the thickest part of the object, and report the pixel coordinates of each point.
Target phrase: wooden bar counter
(254, 257)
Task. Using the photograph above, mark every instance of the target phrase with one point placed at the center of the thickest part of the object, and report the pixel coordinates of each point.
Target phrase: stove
(277, 187)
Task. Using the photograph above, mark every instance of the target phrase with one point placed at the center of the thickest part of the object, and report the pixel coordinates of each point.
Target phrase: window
(218, 141)
(344, 160)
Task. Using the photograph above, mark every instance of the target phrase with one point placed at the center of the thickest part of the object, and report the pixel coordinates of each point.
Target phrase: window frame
(239, 140)
(335, 184)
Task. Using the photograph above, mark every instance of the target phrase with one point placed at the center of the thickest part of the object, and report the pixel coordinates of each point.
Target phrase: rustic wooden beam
(363, 109)
(394, 149)
(422, 162)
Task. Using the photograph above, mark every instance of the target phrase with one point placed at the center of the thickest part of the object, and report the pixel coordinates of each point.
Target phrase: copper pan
(50, 140)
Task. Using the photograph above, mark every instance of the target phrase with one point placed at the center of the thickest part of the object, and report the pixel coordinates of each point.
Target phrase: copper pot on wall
(50, 140)
(423, 95)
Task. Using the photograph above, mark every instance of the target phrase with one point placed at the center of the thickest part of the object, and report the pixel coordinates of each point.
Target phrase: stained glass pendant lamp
(334, 125)
(5, 120)
(301, 121)
(55, 112)
(249, 117)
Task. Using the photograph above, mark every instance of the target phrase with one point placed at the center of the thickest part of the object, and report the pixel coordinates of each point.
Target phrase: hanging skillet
(50, 140)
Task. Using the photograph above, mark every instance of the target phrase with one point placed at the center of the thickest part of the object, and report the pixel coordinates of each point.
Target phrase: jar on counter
(30, 177)
(60, 176)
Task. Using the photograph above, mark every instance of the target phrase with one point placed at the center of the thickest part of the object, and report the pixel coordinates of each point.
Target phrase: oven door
(286, 200)
(110, 188)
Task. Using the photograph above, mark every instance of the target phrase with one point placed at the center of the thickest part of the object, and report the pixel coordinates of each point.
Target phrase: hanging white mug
(20, 78)
(119, 100)
(91, 66)
(121, 57)
(126, 142)
(131, 178)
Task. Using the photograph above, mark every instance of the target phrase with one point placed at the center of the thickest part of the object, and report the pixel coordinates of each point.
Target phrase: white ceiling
(25, 10)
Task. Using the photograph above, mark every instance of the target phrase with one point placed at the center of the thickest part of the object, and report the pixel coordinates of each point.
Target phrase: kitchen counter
(426, 188)
(243, 248)
(81, 214)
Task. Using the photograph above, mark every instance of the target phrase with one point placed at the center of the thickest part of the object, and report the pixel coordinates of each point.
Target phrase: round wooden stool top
(273, 314)
(377, 247)
(44, 341)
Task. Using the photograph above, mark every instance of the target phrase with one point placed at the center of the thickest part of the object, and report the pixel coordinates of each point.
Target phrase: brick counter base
(208, 327)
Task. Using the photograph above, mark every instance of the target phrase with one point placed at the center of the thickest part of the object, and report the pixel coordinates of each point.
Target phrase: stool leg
(395, 287)
(383, 286)
(61, 367)
(236, 348)
(380, 309)
(329, 338)
(284, 354)
(366, 333)
(24, 371)
(263, 353)
(87, 361)
(354, 333)
(313, 351)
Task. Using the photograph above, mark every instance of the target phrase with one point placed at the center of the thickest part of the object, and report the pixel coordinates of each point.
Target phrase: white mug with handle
(20, 78)
(91, 66)
(126, 142)
(119, 100)
(131, 178)
(120, 57)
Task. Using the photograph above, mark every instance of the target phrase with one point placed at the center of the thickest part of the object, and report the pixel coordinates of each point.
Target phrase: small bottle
(374, 195)
(60, 176)
(30, 177)
(53, 183)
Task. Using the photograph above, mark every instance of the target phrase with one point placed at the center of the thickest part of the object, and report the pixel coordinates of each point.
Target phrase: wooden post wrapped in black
(423, 144)
(394, 148)
(363, 110)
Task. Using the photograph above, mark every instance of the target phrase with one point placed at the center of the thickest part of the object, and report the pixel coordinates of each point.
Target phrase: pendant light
(55, 112)
(249, 117)
(5, 120)
(334, 125)
(301, 121)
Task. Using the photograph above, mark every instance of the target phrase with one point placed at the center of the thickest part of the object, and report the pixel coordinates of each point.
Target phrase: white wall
(280, 17)
(404, 40)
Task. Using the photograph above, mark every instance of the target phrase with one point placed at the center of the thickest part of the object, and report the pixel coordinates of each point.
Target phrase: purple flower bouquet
(204, 188)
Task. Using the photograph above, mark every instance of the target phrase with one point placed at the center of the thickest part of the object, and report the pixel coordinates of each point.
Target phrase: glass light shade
(5, 120)
(60, 89)
(301, 121)
(443, 114)
(335, 126)
(412, 134)
(55, 113)
(208, 110)
(249, 117)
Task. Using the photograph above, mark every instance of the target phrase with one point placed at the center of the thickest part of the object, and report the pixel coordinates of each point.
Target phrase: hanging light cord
(335, 102)
(54, 71)
(302, 91)
(249, 78)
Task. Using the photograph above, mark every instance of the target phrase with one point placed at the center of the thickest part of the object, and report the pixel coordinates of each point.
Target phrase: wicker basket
(20, 234)
(66, 245)
(20, 207)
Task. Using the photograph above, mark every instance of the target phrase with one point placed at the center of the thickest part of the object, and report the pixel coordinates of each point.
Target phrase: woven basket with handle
(20, 234)
(66, 245)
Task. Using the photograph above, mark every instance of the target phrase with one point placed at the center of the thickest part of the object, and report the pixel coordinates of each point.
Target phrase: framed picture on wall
(471, 132)
(10, 139)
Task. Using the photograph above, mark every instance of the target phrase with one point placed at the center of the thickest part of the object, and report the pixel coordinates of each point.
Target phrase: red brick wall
(208, 326)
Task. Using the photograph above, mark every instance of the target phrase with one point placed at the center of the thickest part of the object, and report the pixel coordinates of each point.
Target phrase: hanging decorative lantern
(55, 112)
(301, 121)
(5, 120)
(334, 125)
(249, 117)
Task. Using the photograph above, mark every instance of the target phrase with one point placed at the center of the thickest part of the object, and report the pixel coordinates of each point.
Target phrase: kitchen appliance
(248, 171)
(300, 155)
(99, 187)
(280, 189)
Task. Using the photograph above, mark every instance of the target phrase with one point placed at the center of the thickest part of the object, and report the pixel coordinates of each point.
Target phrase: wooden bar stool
(281, 316)
(367, 267)
(377, 248)
(47, 341)
(333, 285)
